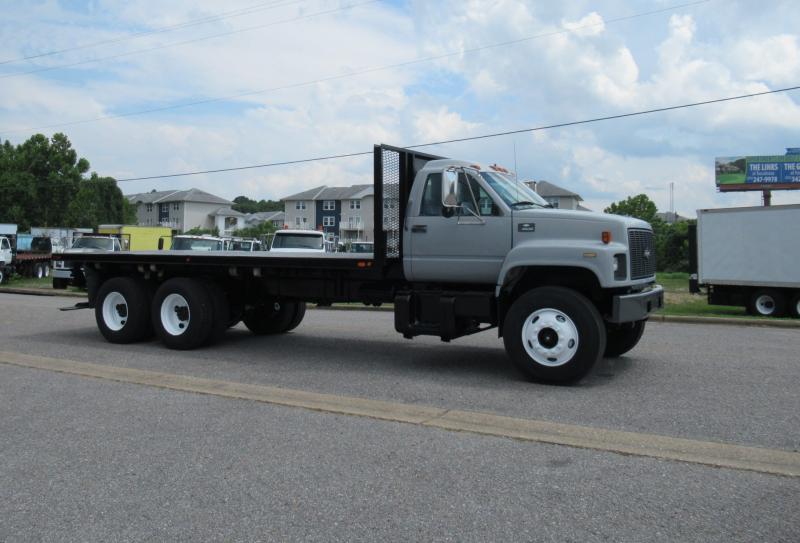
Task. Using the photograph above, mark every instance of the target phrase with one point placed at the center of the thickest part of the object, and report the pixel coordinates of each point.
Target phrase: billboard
(780, 172)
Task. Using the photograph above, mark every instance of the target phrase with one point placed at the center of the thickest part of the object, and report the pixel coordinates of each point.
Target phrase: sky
(147, 87)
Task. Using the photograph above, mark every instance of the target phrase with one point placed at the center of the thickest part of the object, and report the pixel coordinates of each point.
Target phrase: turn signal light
(606, 237)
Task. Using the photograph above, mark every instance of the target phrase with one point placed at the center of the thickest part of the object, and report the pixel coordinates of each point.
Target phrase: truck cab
(5, 258)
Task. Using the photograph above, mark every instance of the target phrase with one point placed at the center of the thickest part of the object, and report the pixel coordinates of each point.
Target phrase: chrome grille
(642, 253)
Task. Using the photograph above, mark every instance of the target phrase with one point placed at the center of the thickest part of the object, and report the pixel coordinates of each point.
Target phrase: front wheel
(554, 335)
(622, 338)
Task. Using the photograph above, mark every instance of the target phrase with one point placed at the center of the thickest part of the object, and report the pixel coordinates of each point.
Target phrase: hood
(575, 215)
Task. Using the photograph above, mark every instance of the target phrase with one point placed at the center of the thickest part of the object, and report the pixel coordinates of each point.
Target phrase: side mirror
(449, 186)
(160, 244)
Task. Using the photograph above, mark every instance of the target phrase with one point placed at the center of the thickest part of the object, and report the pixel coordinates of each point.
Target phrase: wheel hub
(550, 337)
(175, 314)
(765, 304)
(115, 311)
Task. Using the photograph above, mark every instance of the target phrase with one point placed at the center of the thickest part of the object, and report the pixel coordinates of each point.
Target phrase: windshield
(361, 248)
(196, 244)
(243, 246)
(105, 244)
(513, 192)
(297, 241)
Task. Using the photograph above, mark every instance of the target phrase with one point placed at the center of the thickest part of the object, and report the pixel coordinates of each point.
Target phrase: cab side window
(486, 206)
(431, 205)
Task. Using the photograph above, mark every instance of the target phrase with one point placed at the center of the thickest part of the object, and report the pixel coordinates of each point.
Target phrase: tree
(42, 183)
(243, 204)
(639, 206)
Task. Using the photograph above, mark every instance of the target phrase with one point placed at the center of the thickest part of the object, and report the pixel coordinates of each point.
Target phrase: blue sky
(584, 63)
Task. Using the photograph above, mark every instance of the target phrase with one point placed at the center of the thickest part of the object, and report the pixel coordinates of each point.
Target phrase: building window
(297, 221)
(149, 208)
(354, 223)
(328, 205)
(300, 205)
(328, 220)
(176, 206)
(355, 204)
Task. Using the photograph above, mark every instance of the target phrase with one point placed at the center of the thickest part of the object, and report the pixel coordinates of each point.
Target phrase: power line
(160, 30)
(471, 138)
(186, 42)
(359, 72)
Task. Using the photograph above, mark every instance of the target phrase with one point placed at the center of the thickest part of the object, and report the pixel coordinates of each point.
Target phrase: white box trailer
(750, 256)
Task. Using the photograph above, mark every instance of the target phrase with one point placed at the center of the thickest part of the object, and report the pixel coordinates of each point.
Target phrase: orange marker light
(606, 237)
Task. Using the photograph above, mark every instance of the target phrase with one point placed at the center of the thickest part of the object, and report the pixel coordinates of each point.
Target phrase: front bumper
(62, 273)
(638, 306)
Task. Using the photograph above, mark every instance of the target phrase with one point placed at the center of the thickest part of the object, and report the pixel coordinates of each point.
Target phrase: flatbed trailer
(564, 303)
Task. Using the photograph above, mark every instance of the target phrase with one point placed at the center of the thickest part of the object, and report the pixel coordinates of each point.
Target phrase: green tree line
(43, 182)
(672, 240)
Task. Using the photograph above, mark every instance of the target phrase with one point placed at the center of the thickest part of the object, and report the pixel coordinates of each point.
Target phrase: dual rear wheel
(183, 313)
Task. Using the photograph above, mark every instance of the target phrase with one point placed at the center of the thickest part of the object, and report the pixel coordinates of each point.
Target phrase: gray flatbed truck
(459, 249)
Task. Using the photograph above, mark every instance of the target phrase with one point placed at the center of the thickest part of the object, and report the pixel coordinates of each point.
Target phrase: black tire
(46, 269)
(187, 318)
(273, 317)
(794, 307)
(300, 312)
(221, 313)
(2, 275)
(38, 271)
(622, 338)
(60, 283)
(767, 302)
(581, 323)
(122, 309)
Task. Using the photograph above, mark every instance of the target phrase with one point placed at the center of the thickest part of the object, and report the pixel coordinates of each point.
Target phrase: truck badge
(526, 227)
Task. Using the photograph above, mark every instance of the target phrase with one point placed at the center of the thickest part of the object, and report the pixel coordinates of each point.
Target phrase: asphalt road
(88, 460)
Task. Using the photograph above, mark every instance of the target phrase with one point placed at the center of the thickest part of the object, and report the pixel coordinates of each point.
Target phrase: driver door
(466, 244)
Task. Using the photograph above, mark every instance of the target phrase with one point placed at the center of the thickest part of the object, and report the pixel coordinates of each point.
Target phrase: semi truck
(749, 257)
(460, 249)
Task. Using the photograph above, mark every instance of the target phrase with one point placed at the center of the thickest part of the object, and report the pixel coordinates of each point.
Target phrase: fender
(595, 257)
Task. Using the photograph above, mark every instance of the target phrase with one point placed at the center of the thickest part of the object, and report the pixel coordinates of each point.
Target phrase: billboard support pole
(767, 196)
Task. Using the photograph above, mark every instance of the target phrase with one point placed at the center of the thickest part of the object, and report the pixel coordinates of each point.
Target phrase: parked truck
(475, 249)
(23, 254)
(749, 257)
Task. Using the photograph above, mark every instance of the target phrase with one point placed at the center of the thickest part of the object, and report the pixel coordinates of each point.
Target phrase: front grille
(642, 253)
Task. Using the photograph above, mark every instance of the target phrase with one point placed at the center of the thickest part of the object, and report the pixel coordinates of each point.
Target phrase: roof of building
(227, 211)
(310, 194)
(190, 195)
(265, 216)
(546, 188)
(671, 217)
(332, 193)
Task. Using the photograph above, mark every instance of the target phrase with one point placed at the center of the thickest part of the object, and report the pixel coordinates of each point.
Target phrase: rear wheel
(554, 335)
(794, 308)
(122, 309)
(767, 303)
(38, 271)
(221, 313)
(622, 338)
(2, 275)
(183, 313)
(46, 269)
(274, 317)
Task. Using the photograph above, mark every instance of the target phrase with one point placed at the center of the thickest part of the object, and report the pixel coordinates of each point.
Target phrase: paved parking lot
(93, 459)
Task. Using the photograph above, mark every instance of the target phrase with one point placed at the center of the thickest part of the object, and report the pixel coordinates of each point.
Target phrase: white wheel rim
(39, 272)
(47, 271)
(175, 314)
(765, 305)
(115, 311)
(550, 337)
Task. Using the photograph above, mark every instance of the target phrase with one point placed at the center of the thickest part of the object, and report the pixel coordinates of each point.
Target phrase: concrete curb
(774, 323)
(687, 319)
(42, 292)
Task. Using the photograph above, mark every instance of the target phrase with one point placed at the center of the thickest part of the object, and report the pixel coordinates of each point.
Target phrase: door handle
(421, 228)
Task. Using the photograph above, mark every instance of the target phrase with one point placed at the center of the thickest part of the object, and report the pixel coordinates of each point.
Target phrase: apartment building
(183, 210)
